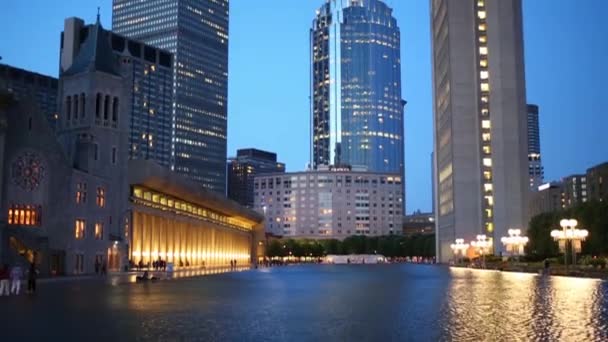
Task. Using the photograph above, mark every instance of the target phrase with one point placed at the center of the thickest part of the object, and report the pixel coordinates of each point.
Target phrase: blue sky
(566, 50)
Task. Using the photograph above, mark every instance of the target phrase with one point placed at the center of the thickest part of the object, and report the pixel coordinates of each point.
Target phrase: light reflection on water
(485, 305)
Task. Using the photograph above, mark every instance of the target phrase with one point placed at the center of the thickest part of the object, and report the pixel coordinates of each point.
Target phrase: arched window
(115, 110)
(82, 105)
(68, 108)
(75, 100)
(106, 108)
(98, 106)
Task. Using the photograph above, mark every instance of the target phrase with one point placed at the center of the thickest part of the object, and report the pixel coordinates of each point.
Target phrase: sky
(566, 53)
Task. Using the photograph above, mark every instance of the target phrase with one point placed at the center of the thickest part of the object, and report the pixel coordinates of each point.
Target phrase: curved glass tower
(356, 105)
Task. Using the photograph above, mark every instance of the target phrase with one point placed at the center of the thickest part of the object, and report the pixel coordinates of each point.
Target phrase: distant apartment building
(536, 172)
(574, 190)
(330, 203)
(26, 85)
(149, 73)
(597, 179)
(418, 223)
(480, 120)
(242, 170)
(548, 198)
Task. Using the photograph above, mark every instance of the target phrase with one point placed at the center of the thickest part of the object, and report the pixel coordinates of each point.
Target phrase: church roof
(95, 54)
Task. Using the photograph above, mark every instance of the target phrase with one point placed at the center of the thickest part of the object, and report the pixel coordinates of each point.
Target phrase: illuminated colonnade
(185, 233)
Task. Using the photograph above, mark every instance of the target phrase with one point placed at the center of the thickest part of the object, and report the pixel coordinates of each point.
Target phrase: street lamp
(459, 248)
(481, 245)
(514, 242)
(569, 233)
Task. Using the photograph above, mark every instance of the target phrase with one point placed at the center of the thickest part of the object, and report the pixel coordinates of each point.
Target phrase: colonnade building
(330, 203)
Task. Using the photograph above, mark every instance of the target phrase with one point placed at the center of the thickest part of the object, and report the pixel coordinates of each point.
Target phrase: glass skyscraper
(356, 104)
(196, 32)
(535, 167)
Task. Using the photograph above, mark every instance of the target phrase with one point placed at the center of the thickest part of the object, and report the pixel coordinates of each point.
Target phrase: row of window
(80, 231)
(75, 107)
(81, 194)
(25, 215)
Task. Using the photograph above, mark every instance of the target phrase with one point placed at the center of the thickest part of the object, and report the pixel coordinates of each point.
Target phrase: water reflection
(485, 305)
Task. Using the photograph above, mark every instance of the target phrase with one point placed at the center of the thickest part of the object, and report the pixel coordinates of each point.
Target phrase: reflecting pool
(319, 303)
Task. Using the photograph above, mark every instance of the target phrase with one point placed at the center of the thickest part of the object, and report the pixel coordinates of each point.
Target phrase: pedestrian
(31, 278)
(16, 275)
(4, 284)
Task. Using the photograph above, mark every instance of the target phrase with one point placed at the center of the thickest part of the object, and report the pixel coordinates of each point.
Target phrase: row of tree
(389, 246)
(592, 216)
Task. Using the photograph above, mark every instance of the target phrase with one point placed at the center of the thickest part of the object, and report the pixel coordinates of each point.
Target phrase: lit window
(483, 39)
(485, 124)
(101, 197)
(490, 227)
(489, 213)
(484, 75)
(487, 175)
(81, 192)
(481, 14)
(483, 50)
(485, 136)
(485, 112)
(79, 229)
(485, 86)
(490, 200)
(25, 215)
(484, 99)
(486, 149)
(482, 27)
(483, 63)
(487, 162)
(487, 187)
(98, 231)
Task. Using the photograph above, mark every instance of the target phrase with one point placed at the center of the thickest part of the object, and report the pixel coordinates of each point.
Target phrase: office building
(26, 85)
(547, 198)
(330, 203)
(356, 103)
(574, 190)
(536, 172)
(242, 170)
(149, 73)
(480, 126)
(419, 223)
(196, 33)
(597, 179)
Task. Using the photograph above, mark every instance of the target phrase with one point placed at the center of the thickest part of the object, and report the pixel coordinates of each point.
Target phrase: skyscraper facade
(149, 73)
(196, 33)
(356, 104)
(242, 169)
(536, 172)
(480, 138)
(27, 85)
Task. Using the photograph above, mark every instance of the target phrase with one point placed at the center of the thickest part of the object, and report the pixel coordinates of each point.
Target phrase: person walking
(4, 284)
(16, 275)
(31, 278)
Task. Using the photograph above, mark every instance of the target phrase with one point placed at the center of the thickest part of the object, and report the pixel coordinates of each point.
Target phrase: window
(482, 27)
(75, 107)
(68, 108)
(101, 197)
(487, 187)
(82, 105)
(485, 86)
(481, 14)
(115, 109)
(485, 124)
(79, 265)
(96, 152)
(106, 107)
(484, 75)
(483, 63)
(486, 149)
(485, 137)
(25, 215)
(98, 231)
(483, 39)
(79, 229)
(113, 155)
(98, 106)
(487, 162)
(81, 192)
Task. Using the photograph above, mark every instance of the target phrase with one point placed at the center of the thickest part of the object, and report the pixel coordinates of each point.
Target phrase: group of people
(100, 268)
(10, 279)
(233, 264)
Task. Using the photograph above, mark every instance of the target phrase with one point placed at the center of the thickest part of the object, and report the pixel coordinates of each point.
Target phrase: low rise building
(330, 203)
(597, 183)
(548, 198)
(419, 223)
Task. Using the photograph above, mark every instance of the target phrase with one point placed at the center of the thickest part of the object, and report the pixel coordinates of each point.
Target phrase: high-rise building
(27, 85)
(574, 190)
(547, 198)
(480, 139)
(536, 172)
(597, 182)
(196, 32)
(242, 170)
(149, 73)
(356, 104)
